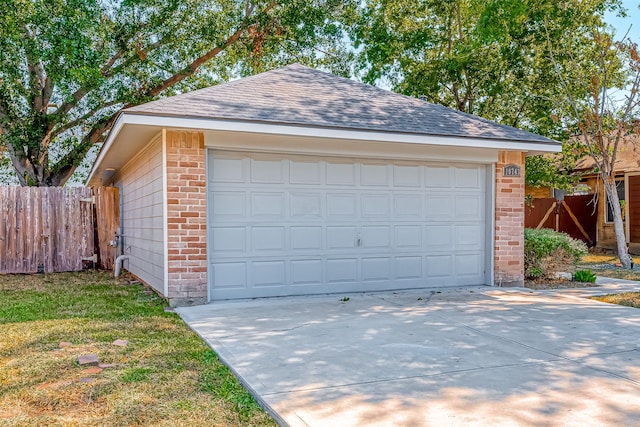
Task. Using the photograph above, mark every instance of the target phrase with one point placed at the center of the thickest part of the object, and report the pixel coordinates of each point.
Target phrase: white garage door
(291, 225)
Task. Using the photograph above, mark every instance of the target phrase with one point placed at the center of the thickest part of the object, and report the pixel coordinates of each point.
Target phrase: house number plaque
(511, 170)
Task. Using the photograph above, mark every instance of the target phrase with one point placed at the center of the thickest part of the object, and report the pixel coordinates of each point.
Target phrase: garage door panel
(306, 173)
(439, 266)
(438, 178)
(295, 225)
(469, 237)
(407, 176)
(342, 237)
(306, 238)
(376, 237)
(225, 170)
(409, 267)
(342, 206)
(228, 240)
(375, 205)
(468, 178)
(229, 275)
(342, 270)
(268, 273)
(438, 238)
(306, 205)
(376, 269)
(408, 237)
(268, 239)
(341, 174)
(469, 206)
(265, 204)
(267, 171)
(306, 272)
(408, 206)
(439, 207)
(469, 265)
(374, 175)
(228, 204)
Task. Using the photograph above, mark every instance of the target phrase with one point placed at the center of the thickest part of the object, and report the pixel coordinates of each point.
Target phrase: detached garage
(296, 182)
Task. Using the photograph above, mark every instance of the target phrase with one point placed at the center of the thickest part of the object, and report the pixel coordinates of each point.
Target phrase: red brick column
(509, 237)
(186, 218)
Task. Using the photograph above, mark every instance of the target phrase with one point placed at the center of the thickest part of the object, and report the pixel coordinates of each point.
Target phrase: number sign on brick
(511, 170)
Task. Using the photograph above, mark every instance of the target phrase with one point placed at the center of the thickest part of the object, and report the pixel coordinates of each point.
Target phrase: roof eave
(130, 118)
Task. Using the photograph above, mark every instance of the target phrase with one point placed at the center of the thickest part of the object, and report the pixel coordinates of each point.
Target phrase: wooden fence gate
(53, 229)
(575, 215)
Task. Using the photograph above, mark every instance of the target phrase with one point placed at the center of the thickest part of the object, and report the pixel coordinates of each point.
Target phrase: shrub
(586, 276)
(547, 252)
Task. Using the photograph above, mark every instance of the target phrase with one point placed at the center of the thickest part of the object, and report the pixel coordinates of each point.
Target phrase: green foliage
(67, 66)
(586, 276)
(547, 251)
(489, 58)
(557, 170)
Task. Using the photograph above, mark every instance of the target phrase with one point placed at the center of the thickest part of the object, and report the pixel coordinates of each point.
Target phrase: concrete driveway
(468, 356)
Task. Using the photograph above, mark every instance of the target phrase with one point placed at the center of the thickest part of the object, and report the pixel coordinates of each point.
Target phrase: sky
(631, 21)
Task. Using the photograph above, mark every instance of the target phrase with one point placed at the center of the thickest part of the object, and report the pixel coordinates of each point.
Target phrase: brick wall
(509, 243)
(186, 218)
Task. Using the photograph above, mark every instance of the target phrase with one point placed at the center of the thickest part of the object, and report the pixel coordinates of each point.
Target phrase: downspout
(119, 262)
(119, 242)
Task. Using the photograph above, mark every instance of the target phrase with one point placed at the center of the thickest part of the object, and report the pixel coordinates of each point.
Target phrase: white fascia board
(319, 132)
(205, 124)
(113, 133)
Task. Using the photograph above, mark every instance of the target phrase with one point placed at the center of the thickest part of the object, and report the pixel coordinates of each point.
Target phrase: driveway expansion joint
(411, 377)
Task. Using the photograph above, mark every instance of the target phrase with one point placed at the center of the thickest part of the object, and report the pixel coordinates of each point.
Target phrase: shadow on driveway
(469, 356)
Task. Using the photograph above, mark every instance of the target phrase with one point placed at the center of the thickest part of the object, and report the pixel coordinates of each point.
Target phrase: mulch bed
(558, 284)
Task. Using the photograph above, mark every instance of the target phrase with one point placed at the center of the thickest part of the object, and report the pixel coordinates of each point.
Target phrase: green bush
(547, 252)
(586, 276)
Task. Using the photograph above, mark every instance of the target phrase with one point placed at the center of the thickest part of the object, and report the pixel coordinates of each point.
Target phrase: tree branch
(193, 66)
(106, 67)
(107, 71)
(84, 117)
(19, 164)
(64, 168)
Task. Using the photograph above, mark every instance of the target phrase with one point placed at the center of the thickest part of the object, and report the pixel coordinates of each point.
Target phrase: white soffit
(317, 146)
(133, 131)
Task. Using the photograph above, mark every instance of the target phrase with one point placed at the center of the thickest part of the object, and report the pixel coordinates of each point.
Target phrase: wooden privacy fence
(51, 229)
(107, 210)
(575, 215)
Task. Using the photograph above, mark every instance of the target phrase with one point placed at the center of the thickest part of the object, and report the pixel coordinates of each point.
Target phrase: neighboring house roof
(302, 96)
(627, 159)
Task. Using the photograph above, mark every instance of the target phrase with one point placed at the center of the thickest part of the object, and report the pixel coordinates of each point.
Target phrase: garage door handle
(358, 241)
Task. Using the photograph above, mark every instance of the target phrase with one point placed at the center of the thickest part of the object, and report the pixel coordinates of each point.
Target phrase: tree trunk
(618, 225)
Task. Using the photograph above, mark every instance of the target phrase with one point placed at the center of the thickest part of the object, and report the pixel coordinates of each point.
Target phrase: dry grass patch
(629, 299)
(604, 258)
(605, 264)
(165, 376)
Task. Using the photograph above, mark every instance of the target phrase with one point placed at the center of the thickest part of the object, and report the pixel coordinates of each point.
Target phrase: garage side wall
(140, 183)
(509, 222)
(186, 218)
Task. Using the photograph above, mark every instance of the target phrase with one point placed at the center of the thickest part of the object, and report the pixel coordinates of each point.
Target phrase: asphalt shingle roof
(303, 96)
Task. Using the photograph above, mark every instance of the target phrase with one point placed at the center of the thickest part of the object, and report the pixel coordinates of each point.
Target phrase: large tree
(484, 57)
(68, 66)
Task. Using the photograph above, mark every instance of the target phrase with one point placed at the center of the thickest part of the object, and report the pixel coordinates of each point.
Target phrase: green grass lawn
(165, 376)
